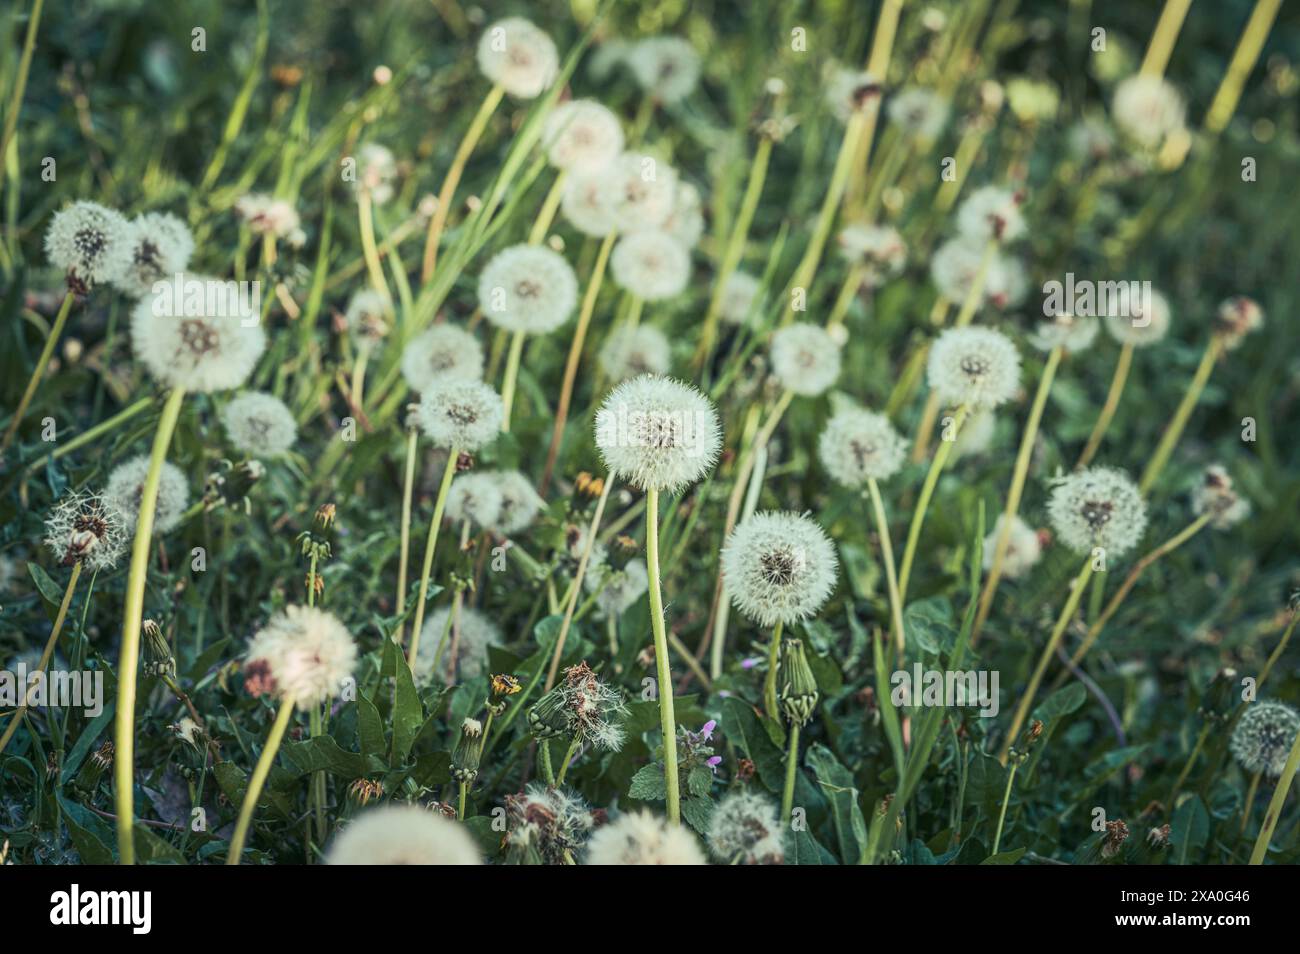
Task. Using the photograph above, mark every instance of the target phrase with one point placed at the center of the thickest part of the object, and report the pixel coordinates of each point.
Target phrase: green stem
(927, 491)
(512, 376)
(1002, 815)
(404, 551)
(1117, 382)
(260, 772)
(434, 525)
(90, 434)
(568, 757)
(575, 588)
(20, 80)
(667, 720)
(791, 770)
(1187, 767)
(773, 665)
(1275, 803)
(544, 759)
(1174, 430)
(891, 578)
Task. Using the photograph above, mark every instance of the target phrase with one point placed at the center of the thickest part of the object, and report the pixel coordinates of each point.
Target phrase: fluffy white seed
(1141, 327)
(307, 653)
(403, 835)
(519, 57)
(859, 445)
(1023, 547)
(974, 366)
(90, 243)
(1147, 109)
(640, 191)
(528, 288)
(658, 433)
(259, 425)
(919, 112)
(582, 136)
(778, 567)
(991, 213)
(640, 838)
(805, 359)
(629, 352)
(161, 246)
(126, 486)
(443, 351)
(665, 67)
(477, 633)
(651, 265)
(459, 414)
(1099, 507)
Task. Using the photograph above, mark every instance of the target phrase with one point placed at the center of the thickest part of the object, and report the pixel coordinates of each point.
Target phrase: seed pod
(549, 718)
(464, 758)
(799, 691)
(158, 658)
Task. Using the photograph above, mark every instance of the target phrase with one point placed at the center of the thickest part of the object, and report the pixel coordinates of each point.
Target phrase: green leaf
(1005, 857)
(89, 835)
(837, 784)
(51, 592)
(1061, 703)
(648, 784)
(322, 754)
(408, 714)
(741, 726)
(697, 811)
(929, 625)
(1190, 829)
(370, 728)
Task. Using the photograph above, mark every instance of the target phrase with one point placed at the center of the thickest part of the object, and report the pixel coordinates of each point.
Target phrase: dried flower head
(1238, 316)
(1141, 324)
(519, 57)
(259, 424)
(161, 246)
(403, 835)
(878, 249)
(745, 828)
(528, 288)
(974, 366)
(805, 358)
(1070, 332)
(1024, 548)
(859, 445)
(267, 215)
(594, 711)
(126, 486)
(991, 213)
(918, 112)
(1263, 737)
(651, 264)
(474, 497)
(90, 244)
(459, 414)
(850, 91)
(1148, 109)
(546, 826)
(520, 502)
(639, 192)
(632, 351)
(1099, 507)
(640, 838)
(665, 67)
(302, 653)
(476, 633)
(88, 529)
(1214, 494)
(658, 433)
(739, 298)
(778, 567)
(582, 136)
(442, 352)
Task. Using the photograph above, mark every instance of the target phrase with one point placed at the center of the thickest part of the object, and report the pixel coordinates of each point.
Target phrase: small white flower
(443, 351)
(403, 835)
(778, 567)
(88, 529)
(582, 136)
(651, 265)
(1099, 507)
(161, 246)
(520, 502)
(459, 414)
(686, 221)
(1263, 737)
(477, 633)
(474, 497)
(585, 203)
(90, 244)
(519, 57)
(639, 192)
(126, 486)
(993, 213)
(1141, 326)
(1070, 332)
(617, 590)
(1238, 316)
(859, 445)
(528, 288)
(1147, 109)
(878, 248)
(366, 317)
(805, 359)
(739, 298)
(665, 67)
(974, 366)
(259, 425)
(267, 215)
(629, 352)
(640, 838)
(919, 111)
(1214, 494)
(376, 171)
(1023, 547)
(302, 653)
(745, 827)
(658, 433)
(849, 91)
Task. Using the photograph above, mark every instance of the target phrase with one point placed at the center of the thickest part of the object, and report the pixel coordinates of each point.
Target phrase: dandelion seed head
(160, 246)
(778, 567)
(1214, 494)
(306, 654)
(366, 317)
(1148, 109)
(859, 445)
(519, 57)
(520, 502)
(976, 434)
(442, 352)
(477, 633)
(849, 91)
(628, 352)
(376, 172)
(528, 288)
(474, 497)
(1023, 547)
(974, 366)
(259, 425)
(1141, 326)
(879, 249)
(805, 359)
(686, 221)
(267, 215)
(640, 838)
(89, 243)
(87, 528)
(1070, 332)
(617, 590)
(1091, 140)
(658, 433)
(1239, 316)
(665, 67)
(125, 487)
(956, 264)
(651, 265)
(582, 136)
(546, 826)
(739, 296)
(403, 835)
(639, 192)
(460, 414)
(1099, 507)
(919, 112)
(991, 213)
(585, 204)
(745, 826)
(1263, 736)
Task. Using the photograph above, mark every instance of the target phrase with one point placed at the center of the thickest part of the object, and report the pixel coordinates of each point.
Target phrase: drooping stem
(773, 666)
(1275, 803)
(1243, 61)
(923, 502)
(404, 546)
(512, 376)
(575, 588)
(435, 523)
(791, 771)
(129, 657)
(667, 720)
(1002, 815)
(39, 371)
(891, 578)
(1113, 396)
(258, 779)
(1174, 429)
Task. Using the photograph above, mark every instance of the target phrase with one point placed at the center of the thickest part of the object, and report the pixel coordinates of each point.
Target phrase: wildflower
(1023, 547)
(201, 349)
(160, 246)
(302, 653)
(442, 352)
(520, 502)
(582, 136)
(651, 264)
(86, 528)
(475, 498)
(1070, 332)
(665, 67)
(858, 446)
(686, 221)
(476, 632)
(465, 756)
(546, 826)
(617, 590)
(877, 248)
(267, 215)
(991, 213)
(403, 835)
(918, 112)
(849, 91)
(973, 366)
(126, 486)
(629, 352)
(1099, 507)
(377, 170)
(459, 414)
(1263, 737)
(658, 433)
(1214, 494)
(1147, 109)
(585, 203)
(366, 317)
(640, 838)
(778, 567)
(606, 57)
(639, 192)
(519, 57)
(188, 731)
(739, 296)
(583, 708)
(259, 424)
(90, 244)
(1238, 316)
(1142, 326)
(744, 827)
(529, 289)
(805, 359)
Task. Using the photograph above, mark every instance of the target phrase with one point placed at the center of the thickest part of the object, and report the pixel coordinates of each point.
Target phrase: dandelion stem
(1249, 803)
(891, 578)
(1174, 429)
(1002, 815)
(1275, 803)
(544, 760)
(1277, 652)
(575, 588)
(791, 771)
(667, 721)
(549, 207)
(258, 779)
(1162, 40)
(404, 547)
(20, 80)
(927, 491)
(1108, 409)
(374, 269)
(512, 376)
(773, 665)
(460, 805)
(38, 372)
(1187, 767)
(1243, 61)
(568, 758)
(435, 524)
(129, 658)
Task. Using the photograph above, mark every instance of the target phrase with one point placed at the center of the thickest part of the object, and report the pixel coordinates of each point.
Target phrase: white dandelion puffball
(878, 248)
(778, 567)
(376, 171)
(651, 265)
(528, 288)
(477, 632)
(88, 529)
(974, 366)
(739, 295)
(403, 835)
(126, 486)
(606, 57)
(918, 111)
(520, 502)
(629, 352)
(1090, 140)
(585, 204)
(161, 246)
(474, 498)
(640, 838)
(519, 57)
(992, 213)
(259, 425)
(956, 264)
(849, 91)
(1263, 736)
(1099, 507)
(460, 415)
(582, 136)
(616, 590)
(302, 653)
(686, 221)
(1215, 495)
(90, 244)
(1023, 547)
(1147, 109)
(746, 827)
(197, 333)
(1070, 332)
(1237, 317)
(859, 445)
(1143, 323)
(976, 435)
(267, 215)
(639, 192)
(665, 67)
(805, 359)
(442, 352)
(366, 317)
(658, 433)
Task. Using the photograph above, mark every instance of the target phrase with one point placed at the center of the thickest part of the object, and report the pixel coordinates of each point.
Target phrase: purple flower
(714, 762)
(706, 733)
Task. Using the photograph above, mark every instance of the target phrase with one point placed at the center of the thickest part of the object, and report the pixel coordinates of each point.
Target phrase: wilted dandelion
(444, 351)
(259, 425)
(640, 838)
(745, 829)
(805, 359)
(125, 488)
(403, 835)
(86, 528)
(90, 244)
(546, 826)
